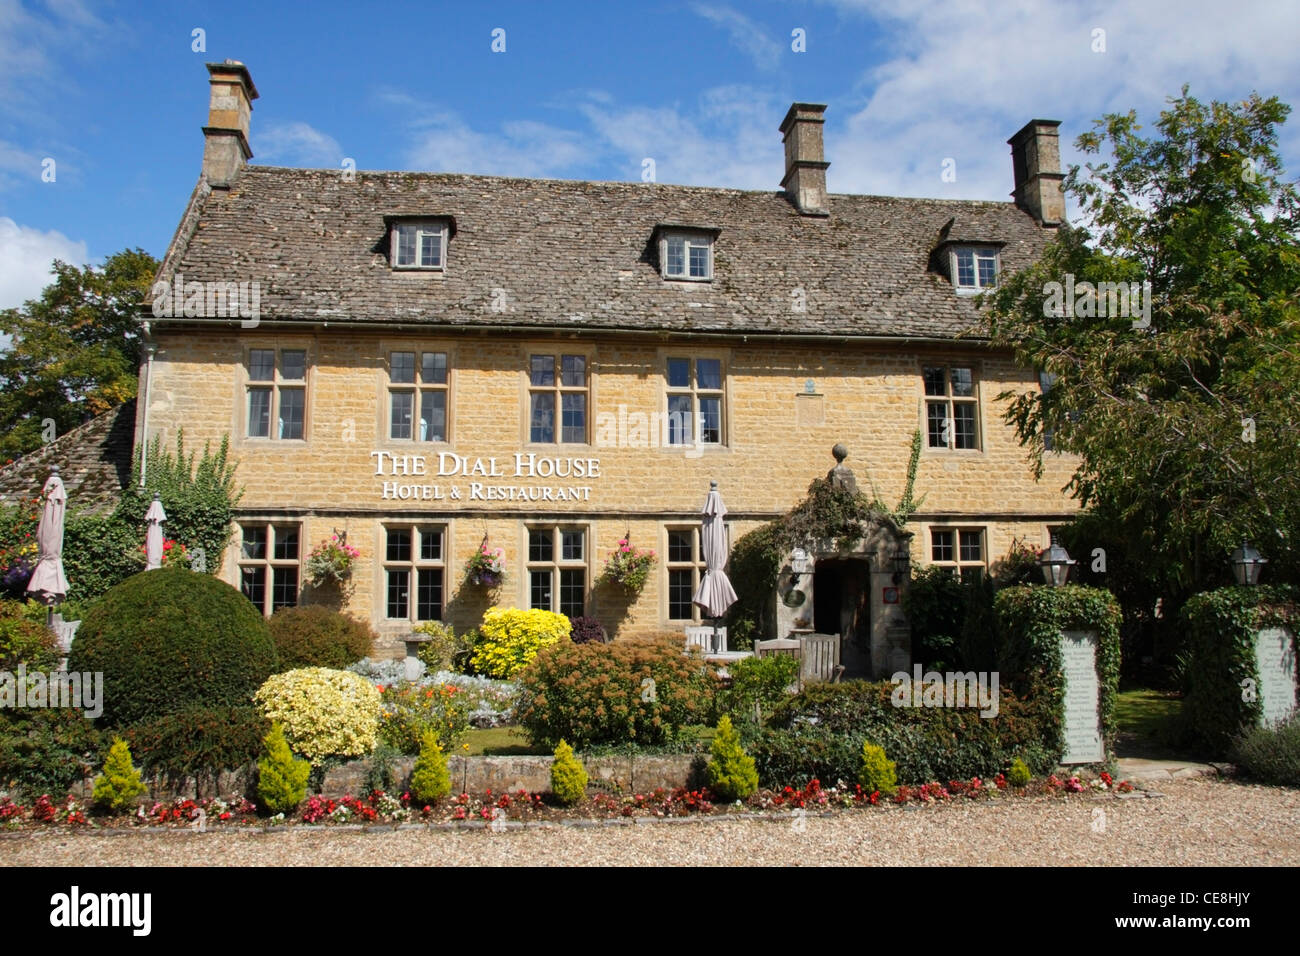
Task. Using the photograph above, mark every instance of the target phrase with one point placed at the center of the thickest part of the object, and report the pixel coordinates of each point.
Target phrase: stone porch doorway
(842, 605)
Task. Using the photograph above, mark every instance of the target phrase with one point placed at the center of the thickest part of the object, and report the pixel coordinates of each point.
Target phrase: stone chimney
(225, 145)
(805, 165)
(1036, 159)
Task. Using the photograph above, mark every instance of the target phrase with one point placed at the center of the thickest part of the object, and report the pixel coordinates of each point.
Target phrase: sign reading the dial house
(448, 477)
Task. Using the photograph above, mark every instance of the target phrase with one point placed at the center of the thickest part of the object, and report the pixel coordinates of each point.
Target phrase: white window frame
(978, 253)
(689, 240)
(423, 228)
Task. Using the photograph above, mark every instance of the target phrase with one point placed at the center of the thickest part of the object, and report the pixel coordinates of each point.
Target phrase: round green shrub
(639, 691)
(325, 713)
(568, 776)
(877, 773)
(24, 641)
(316, 636)
(1270, 754)
(171, 639)
(46, 749)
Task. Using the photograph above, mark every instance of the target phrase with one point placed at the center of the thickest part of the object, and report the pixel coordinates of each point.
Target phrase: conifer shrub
(568, 776)
(731, 772)
(509, 639)
(119, 785)
(316, 636)
(325, 713)
(171, 639)
(430, 780)
(281, 777)
(637, 690)
(877, 771)
(1019, 775)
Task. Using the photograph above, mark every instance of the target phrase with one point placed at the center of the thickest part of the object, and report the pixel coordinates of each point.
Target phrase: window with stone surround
(695, 400)
(557, 398)
(277, 392)
(557, 569)
(684, 566)
(418, 396)
(414, 572)
(961, 549)
(686, 255)
(269, 564)
(951, 407)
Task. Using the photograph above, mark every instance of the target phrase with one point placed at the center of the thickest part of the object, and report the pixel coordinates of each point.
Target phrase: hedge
(1221, 628)
(1029, 625)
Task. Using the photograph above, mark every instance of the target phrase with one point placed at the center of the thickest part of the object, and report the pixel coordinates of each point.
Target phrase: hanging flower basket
(331, 560)
(487, 567)
(628, 566)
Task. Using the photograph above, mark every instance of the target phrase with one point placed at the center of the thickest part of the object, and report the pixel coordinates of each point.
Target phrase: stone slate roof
(94, 462)
(579, 255)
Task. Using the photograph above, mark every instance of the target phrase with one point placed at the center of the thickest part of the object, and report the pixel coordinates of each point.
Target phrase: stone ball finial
(840, 453)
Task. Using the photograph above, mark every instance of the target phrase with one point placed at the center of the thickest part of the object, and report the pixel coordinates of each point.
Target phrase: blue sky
(115, 95)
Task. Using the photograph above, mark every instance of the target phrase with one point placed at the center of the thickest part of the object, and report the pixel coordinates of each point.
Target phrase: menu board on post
(1083, 742)
(1275, 660)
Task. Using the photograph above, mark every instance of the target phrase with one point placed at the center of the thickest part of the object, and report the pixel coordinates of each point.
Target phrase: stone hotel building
(434, 361)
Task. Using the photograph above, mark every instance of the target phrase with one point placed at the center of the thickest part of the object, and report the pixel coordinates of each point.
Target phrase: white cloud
(26, 255)
(965, 76)
(17, 165)
(297, 144)
(750, 38)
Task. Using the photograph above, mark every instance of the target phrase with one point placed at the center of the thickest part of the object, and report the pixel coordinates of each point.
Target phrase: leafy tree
(74, 351)
(1185, 426)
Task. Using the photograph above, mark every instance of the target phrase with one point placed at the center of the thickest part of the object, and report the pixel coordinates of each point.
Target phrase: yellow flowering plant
(325, 713)
(509, 639)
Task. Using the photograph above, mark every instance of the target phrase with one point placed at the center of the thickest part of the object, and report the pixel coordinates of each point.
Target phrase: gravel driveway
(1197, 822)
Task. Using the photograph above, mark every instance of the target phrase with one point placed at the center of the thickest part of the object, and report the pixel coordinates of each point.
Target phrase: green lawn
(1145, 721)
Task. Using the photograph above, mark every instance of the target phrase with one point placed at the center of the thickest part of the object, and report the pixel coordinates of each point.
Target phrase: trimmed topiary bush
(568, 776)
(430, 780)
(641, 690)
(878, 771)
(199, 742)
(172, 639)
(119, 786)
(281, 777)
(325, 713)
(731, 772)
(509, 639)
(315, 636)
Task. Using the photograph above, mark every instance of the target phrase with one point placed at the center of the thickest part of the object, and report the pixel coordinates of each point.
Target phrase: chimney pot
(805, 162)
(225, 138)
(1036, 163)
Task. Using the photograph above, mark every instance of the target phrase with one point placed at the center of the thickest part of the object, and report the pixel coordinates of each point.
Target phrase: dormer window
(686, 252)
(974, 268)
(418, 243)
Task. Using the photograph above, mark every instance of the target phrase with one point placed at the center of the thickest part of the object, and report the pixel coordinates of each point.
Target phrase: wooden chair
(821, 657)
